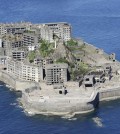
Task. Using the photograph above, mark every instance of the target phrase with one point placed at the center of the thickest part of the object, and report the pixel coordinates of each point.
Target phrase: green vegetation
(45, 48)
(31, 56)
(72, 43)
(81, 47)
(82, 70)
(76, 48)
(62, 60)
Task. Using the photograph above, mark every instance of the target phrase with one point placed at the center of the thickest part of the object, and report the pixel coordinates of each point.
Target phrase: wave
(13, 104)
(98, 121)
(28, 113)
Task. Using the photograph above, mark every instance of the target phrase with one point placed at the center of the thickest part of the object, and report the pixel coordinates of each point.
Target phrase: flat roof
(96, 73)
(59, 65)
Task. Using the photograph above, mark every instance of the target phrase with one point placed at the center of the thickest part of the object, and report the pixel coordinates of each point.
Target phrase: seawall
(65, 106)
(59, 105)
(109, 94)
(15, 84)
(56, 106)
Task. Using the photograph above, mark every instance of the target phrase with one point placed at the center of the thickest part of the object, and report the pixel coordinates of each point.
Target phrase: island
(56, 73)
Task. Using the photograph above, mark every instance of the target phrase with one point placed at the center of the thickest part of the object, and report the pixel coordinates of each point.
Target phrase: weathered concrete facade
(56, 73)
(24, 71)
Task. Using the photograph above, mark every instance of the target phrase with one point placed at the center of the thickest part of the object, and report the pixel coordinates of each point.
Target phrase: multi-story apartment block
(43, 62)
(46, 33)
(18, 55)
(62, 30)
(9, 44)
(13, 27)
(24, 71)
(3, 30)
(56, 73)
(8, 48)
(31, 38)
(17, 43)
(16, 40)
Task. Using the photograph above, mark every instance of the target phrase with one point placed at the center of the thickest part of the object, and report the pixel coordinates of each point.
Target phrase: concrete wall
(8, 79)
(109, 94)
(16, 84)
(58, 106)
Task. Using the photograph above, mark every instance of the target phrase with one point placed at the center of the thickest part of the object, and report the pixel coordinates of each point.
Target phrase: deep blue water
(95, 21)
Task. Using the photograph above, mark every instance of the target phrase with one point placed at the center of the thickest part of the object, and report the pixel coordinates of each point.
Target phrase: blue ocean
(96, 22)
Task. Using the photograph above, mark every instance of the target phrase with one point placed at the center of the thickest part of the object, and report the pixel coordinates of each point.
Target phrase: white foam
(98, 121)
(13, 104)
(29, 113)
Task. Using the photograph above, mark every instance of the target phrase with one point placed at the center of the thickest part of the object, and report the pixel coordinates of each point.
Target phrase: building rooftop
(59, 65)
(96, 73)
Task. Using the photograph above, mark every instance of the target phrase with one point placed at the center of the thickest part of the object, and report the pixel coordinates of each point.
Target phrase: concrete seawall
(17, 85)
(109, 94)
(66, 106)
(58, 106)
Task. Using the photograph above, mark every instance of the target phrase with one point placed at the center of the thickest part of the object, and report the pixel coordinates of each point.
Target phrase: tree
(31, 56)
(45, 48)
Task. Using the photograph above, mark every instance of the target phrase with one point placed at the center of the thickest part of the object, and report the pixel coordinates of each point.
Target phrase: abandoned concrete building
(56, 73)
(99, 76)
(24, 71)
(89, 80)
(19, 55)
(31, 38)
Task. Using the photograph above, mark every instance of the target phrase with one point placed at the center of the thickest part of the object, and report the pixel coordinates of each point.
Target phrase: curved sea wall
(17, 85)
(62, 106)
(58, 105)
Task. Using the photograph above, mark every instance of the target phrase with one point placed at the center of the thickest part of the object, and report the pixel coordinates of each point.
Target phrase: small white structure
(31, 48)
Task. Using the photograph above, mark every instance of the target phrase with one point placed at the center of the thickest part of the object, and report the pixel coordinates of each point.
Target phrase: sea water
(95, 21)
